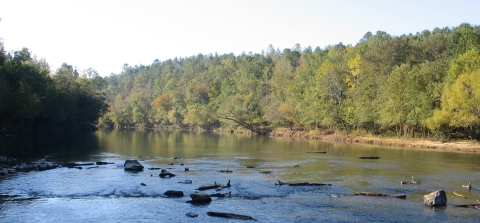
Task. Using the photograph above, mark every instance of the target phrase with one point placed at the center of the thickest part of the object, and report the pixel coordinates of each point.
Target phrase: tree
(241, 97)
(465, 63)
(199, 106)
(31, 98)
(464, 38)
(90, 98)
(460, 103)
(306, 88)
(163, 104)
(330, 79)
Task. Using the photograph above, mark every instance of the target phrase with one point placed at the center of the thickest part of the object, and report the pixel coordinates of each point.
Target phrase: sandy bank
(460, 146)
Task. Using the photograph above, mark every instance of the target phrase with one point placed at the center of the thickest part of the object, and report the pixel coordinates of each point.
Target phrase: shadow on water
(72, 146)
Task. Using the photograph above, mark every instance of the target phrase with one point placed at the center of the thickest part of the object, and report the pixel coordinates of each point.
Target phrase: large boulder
(132, 165)
(173, 193)
(436, 198)
(165, 174)
(200, 198)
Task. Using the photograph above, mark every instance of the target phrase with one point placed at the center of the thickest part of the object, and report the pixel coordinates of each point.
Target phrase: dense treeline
(33, 98)
(427, 85)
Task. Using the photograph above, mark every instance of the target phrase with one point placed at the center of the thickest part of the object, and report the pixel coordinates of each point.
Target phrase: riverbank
(470, 146)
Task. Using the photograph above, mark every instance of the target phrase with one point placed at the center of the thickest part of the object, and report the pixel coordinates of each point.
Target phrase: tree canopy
(31, 96)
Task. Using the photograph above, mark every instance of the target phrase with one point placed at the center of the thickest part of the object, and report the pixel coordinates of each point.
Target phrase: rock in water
(164, 173)
(200, 198)
(185, 182)
(103, 163)
(3, 171)
(132, 165)
(209, 186)
(46, 166)
(230, 215)
(25, 167)
(192, 215)
(436, 198)
(173, 193)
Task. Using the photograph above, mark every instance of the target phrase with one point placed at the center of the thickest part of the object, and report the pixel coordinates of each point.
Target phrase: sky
(105, 35)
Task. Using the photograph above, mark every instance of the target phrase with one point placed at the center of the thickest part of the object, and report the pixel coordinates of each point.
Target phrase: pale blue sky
(104, 35)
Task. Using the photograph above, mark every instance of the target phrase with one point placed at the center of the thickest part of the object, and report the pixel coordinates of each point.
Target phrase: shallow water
(111, 194)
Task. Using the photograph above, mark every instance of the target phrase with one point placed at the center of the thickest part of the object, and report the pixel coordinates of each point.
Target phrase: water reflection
(71, 147)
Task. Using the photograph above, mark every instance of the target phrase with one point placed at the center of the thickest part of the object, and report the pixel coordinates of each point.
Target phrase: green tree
(460, 104)
(306, 89)
(464, 38)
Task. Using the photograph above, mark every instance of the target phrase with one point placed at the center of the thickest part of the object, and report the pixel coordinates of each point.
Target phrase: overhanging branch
(242, 123)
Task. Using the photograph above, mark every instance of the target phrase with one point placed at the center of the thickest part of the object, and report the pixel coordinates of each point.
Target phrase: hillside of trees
(33, 100)
(417, 85)
(421, 85)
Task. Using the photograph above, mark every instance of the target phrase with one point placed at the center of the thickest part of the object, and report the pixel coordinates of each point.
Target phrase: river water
(108, 193)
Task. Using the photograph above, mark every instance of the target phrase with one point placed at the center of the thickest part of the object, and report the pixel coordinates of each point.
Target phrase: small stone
(185, 182)
(192, 215)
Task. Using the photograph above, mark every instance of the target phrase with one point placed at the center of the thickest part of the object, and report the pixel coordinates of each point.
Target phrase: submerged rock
(185, 182)
(25, 167)
(436, 198)
(229, 194)
(3, 171)
(132, 165)
(46, 166)
(103, 163)
(200, 198)
(213, 186)
(154, 168)
(229, 215)
(209, 186)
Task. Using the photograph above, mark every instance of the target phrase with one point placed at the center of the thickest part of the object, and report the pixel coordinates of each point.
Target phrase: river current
(108, 193)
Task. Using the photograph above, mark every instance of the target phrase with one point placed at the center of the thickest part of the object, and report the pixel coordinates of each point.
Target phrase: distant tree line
(34, 98)
(422, 85)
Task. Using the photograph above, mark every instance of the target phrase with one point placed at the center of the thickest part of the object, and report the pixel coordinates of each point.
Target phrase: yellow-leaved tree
(460, 103)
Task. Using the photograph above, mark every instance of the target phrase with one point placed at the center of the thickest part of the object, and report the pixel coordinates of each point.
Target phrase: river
(108, 193)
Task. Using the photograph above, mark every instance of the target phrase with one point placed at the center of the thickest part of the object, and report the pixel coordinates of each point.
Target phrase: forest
(35, 101)
(417, 85)
(423, 85)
